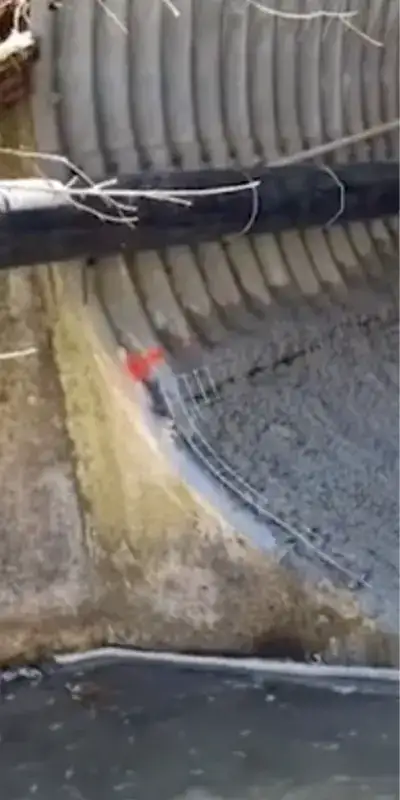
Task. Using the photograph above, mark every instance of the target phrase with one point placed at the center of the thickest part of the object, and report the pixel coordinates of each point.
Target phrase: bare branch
(112, 15)
(345, 17)
(13, 354)
(172, 7)
(306, 16)
(336, 144)
(348, 24)
(18, 41)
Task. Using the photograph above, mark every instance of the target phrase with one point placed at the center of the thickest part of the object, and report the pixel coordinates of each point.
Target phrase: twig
(172, 196)
(172, 7)
(110, 194)
(28, 351)
(112, 15)
(306, 16)
(348, 24)
(17, 42)
(336, 144)
(344, 17)
(19, 13)
(50, 185)
(108, 191)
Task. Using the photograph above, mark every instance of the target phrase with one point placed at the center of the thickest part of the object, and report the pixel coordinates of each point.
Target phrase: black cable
(289, 197)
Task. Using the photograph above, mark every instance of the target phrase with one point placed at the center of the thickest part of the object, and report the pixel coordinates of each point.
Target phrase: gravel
(316, 436)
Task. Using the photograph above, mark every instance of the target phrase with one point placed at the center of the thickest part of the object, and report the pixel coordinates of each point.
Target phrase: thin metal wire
(293, 532)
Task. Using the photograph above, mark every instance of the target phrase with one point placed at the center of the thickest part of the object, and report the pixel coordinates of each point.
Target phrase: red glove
(140, 366)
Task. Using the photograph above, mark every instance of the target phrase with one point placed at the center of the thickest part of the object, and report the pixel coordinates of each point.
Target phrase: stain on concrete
(45, 571)
(42, 550)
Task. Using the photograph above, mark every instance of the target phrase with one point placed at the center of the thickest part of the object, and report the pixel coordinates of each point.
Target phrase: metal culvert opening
(281, 374)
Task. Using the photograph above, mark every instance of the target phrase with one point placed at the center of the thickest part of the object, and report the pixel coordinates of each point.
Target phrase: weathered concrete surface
(43, 560)
(171, 573)
(41, 544)
(156, 567)
(138, 558)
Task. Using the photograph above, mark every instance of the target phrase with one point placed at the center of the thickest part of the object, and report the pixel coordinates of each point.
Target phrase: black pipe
(289, 197)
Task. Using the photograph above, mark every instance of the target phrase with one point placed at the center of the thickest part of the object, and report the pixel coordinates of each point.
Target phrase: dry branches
(346, 18)
(119, 203)
(17, 52)
(119, 200)
(15, 354)
(18, 41)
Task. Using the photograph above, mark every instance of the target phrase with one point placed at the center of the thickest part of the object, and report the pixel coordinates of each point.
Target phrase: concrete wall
(141, 560)
(100, 540)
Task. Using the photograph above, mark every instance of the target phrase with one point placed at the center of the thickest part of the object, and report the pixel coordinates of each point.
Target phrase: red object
(141, 365)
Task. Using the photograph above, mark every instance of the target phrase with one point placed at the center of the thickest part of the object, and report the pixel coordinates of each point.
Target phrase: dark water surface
(160, 732)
